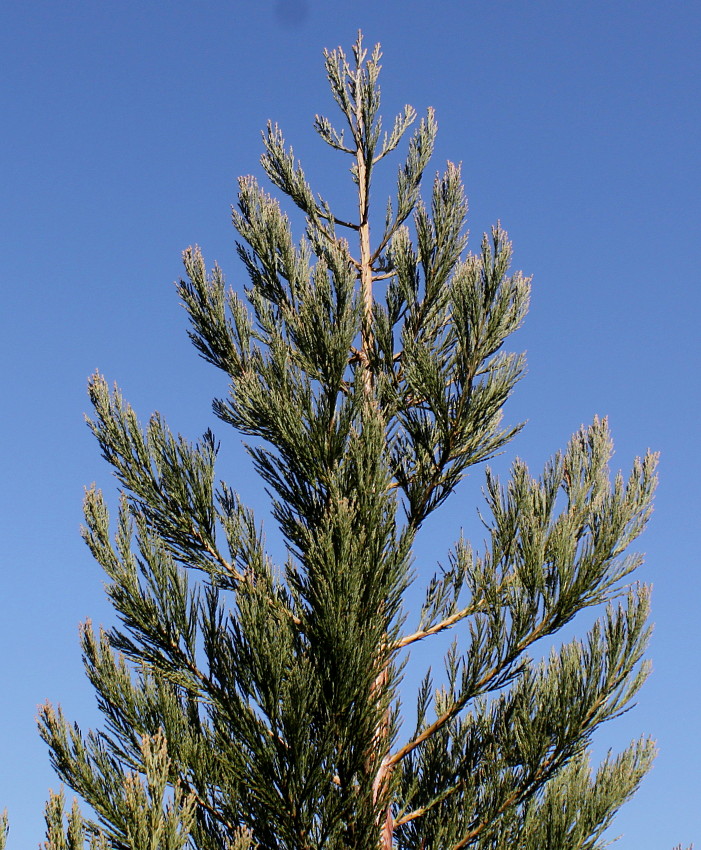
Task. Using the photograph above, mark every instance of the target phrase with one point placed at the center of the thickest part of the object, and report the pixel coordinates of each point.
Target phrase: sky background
(125, 126)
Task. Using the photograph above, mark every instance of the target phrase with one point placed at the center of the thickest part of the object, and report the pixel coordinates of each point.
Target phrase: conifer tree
(254, 704)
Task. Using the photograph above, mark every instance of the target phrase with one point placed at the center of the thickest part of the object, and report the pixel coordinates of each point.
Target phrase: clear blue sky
(125, 125)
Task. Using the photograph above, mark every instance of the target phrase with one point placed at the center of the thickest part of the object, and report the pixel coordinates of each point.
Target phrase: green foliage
(68, 832)
(249, 704)
(134, 812)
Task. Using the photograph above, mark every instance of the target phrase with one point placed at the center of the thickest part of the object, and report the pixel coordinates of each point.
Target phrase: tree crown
(248, 703)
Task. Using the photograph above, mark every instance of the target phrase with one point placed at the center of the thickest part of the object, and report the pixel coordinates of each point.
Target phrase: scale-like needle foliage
(252, 704)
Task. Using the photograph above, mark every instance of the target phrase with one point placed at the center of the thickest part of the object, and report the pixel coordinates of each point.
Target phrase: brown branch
(439, 627)
(349, 224)
(518, 796)
(511, 800)
(357, 356)
(450, 621)
(365, 267)
(218, 557)
(211, 688)
(459, 704)
(417, 813)
(241, 578)
(325, 232)
(515, 797)
(332, 218)
(211, 810)
(388, 235)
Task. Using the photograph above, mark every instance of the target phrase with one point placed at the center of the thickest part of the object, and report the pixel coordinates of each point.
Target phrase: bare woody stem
(516, 796)
(447, 623)
(364, 168)
(461, 702)
(366, 278)
(236, 575)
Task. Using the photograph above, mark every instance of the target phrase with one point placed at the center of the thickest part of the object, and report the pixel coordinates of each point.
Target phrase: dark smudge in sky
(291, 13)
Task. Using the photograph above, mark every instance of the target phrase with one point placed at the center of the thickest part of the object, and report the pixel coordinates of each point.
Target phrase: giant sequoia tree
(249, 703)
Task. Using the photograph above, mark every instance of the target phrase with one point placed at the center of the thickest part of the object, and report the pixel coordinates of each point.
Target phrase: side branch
(348, 224)
(460, 703)
(325, 232)
(448, 622)
(439, 627)
(512, 799)
(239, 577)
(516, 796)
(218, 557)
(216, 692)
(211, 810)
(327, 216)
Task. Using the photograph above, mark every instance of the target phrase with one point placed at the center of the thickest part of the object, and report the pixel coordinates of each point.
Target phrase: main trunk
(381, 741)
